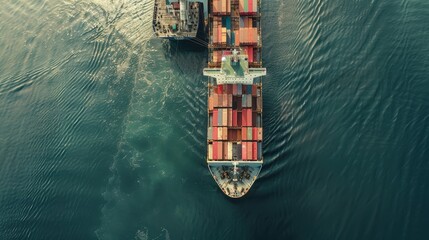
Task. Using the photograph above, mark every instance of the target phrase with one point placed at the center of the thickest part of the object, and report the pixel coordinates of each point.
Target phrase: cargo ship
(234, 133)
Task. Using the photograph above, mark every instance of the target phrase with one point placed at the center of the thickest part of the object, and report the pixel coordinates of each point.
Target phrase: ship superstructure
(234, 136)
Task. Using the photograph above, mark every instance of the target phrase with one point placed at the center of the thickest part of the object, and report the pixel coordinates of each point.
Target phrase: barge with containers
(234, 136)
(179, 20)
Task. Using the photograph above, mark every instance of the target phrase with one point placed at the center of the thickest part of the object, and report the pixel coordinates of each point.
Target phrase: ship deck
(235, 178)
(168, 24)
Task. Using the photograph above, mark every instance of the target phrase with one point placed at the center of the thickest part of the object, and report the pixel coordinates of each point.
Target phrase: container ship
(234, 133)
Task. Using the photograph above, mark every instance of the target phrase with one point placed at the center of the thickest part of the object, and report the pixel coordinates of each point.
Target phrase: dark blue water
(103, 127)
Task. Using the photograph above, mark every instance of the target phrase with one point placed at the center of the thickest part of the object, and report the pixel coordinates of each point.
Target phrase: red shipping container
(244, 151)
(250, 6)
(249, 117)
(215, 117)
(239, 119)
(254, 134)
(250, 54)
(234, 118)
(215, 135)
(231, 135)
(254, 114)
(220, 89)
(254, 87)
(239, 102)
(234, 89)
(229, 116)
(254, 150)
(215, 150)
(224, 100)
(243, 133)
(229, 100)
(229, 89)
(244, 117)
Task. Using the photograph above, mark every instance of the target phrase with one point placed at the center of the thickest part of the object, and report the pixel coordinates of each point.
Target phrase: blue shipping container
(228, 22)
(249, 89)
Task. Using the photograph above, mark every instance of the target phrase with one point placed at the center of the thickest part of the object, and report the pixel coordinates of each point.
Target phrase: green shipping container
(249, 133)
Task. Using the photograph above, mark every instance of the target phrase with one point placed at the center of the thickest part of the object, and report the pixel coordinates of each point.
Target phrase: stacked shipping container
(235, 130)
(221, 6)
(248, 6)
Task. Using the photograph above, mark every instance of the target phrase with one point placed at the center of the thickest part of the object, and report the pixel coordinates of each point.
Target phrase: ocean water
(103, 126)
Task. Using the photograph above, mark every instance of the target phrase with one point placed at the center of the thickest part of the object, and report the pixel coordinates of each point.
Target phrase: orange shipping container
(215, 116)
(259, 134)
(211, 103)
(219, 100)
(215, 100)
(249, 150)
(215, 3)
(229, 117)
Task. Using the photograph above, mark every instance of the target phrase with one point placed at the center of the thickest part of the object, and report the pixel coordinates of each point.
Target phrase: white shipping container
(230, 150)
(210, 151)
(224, 117)
(209, 133)
(219, 133)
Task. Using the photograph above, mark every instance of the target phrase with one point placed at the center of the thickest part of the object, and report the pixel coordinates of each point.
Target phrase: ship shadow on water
(192, 45)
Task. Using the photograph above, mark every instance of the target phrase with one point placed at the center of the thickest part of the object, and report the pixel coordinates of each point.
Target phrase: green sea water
(103, 126)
